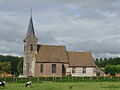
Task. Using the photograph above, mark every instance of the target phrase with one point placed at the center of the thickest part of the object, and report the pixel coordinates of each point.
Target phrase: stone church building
(52, 60)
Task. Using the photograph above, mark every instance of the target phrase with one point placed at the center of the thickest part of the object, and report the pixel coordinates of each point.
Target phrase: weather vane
(31, 11)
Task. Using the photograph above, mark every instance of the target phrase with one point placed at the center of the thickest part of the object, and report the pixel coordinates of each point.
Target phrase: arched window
(31, 47)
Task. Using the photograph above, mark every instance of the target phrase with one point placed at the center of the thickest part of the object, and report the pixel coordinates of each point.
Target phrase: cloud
(46, 37)
(105, 48)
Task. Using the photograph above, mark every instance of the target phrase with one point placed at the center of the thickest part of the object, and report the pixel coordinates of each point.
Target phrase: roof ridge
(77, 52)
(52, 45)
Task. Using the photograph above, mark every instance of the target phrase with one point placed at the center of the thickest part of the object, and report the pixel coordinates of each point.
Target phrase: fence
(60, 79)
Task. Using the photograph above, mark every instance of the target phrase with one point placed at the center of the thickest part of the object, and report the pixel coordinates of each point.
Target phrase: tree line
(11, 64)
(14, 64)
(102, 62)
(109, 65)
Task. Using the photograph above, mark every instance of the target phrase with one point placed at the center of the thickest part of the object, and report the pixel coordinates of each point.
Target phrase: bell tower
(30, 49)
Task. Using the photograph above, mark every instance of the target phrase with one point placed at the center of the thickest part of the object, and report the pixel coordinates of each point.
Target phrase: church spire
(30, 26)
(30, 49)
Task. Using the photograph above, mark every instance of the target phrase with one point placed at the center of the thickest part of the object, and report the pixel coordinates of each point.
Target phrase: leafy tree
(112, 69)
(14, 60)
(5, 67)
(102, 62)
(20, 66)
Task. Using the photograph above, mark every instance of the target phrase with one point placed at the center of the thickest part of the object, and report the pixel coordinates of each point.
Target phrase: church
(54, 60)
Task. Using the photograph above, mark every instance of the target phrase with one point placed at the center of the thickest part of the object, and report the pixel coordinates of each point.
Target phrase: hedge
(60, 79)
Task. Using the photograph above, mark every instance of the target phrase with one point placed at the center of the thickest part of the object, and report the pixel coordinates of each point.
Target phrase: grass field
(65, 86)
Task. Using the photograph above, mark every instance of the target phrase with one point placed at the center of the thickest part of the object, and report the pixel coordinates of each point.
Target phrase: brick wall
(47, 69)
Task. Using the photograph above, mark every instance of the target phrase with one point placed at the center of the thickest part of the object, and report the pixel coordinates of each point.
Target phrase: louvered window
(31, 47)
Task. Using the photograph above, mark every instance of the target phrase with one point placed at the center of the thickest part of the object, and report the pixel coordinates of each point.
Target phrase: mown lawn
(64, 86)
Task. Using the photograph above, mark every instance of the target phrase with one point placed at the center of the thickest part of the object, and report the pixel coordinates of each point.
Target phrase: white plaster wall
(78, 71)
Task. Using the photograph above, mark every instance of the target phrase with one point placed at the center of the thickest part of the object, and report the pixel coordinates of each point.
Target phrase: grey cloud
(11, 48)
(11, 29)
(105, 47)
(84, 23)
(46, 37)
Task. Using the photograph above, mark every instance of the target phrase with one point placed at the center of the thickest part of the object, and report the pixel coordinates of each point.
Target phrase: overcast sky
(81, 25)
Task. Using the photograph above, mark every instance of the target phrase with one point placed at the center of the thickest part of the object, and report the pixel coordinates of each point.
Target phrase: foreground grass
(65, 86)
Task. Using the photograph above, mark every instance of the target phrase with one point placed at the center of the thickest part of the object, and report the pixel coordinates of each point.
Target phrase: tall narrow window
(53, 68)
(41, 68)
(31, 47)
(63, 69)
(84, 70)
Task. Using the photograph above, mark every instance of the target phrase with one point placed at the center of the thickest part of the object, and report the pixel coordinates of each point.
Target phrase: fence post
(38, 80)
(61, 78)
(55, 79)
(104, 77)
(5, 79)
(111, 77)
(13, 79)
(97, 77)
(45, 78)
(82, 77)
(21, 79)
(90, 78)
(16, 80)
(68, 79)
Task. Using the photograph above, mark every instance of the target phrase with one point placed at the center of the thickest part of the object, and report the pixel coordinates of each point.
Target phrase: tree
(102, 62)
(20, 66)
(14, 60)
(5, 67)
(112, 69)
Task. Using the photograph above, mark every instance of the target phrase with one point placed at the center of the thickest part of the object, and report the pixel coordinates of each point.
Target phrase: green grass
(64, 86)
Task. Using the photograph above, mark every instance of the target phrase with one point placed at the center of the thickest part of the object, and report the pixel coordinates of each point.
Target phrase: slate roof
(30, 28)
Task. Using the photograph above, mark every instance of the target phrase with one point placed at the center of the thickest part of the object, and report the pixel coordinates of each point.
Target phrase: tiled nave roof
(52, 53)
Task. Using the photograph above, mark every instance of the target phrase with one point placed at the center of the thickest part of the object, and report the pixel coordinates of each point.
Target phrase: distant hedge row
(60, 79)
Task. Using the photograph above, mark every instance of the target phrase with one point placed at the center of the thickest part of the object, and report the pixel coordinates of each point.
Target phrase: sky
(80, 25)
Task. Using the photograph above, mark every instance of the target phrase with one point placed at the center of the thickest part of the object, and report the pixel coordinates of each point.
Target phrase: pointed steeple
(30, 28)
